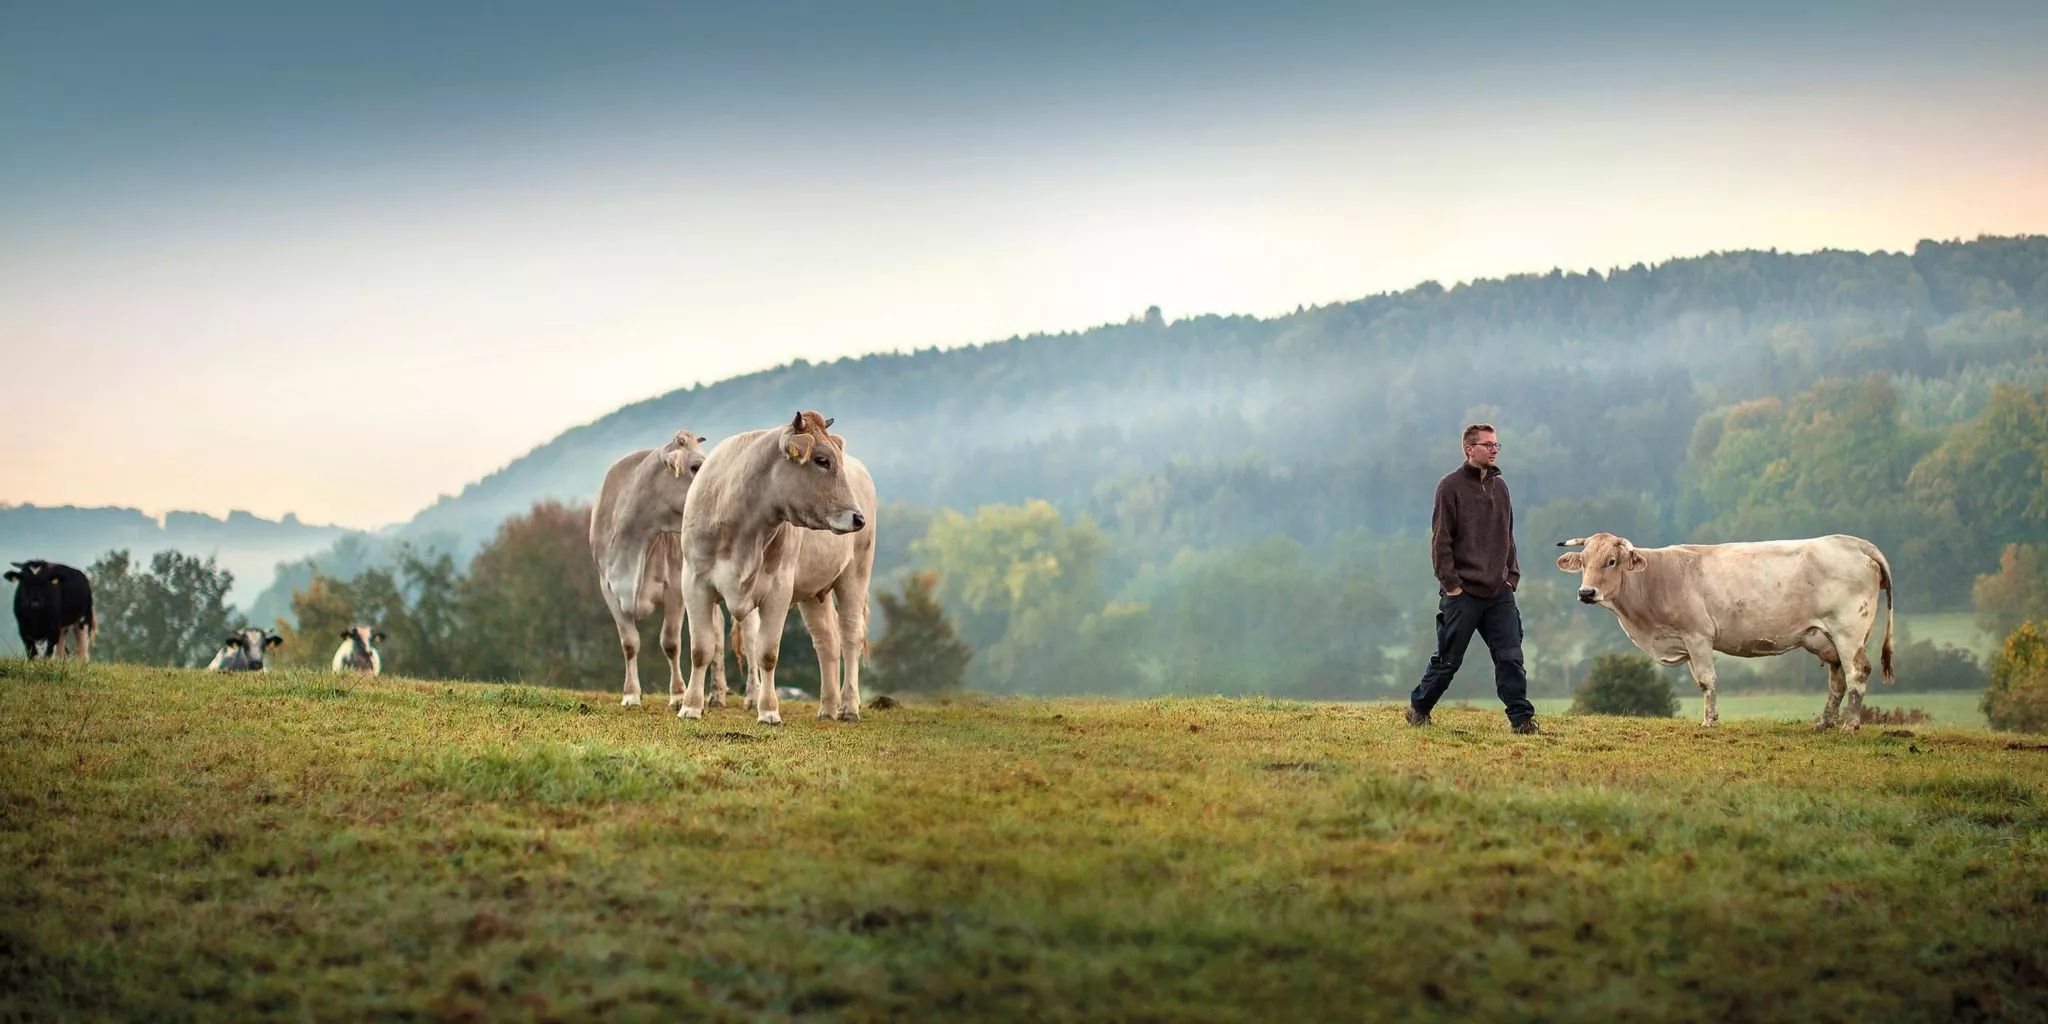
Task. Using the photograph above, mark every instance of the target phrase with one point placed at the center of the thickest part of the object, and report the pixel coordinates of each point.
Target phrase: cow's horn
(1574, 542)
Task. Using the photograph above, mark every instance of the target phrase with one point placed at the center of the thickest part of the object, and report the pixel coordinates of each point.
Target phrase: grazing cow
(1685, 602)
(52, 608)
(243, 651)
(357, 653)
(766, 525)
(636, 538)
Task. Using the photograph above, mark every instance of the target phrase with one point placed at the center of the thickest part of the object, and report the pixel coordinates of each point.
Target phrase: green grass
(183, 846)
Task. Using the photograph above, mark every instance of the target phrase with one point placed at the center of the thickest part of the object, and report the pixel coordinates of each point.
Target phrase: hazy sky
(339, 258)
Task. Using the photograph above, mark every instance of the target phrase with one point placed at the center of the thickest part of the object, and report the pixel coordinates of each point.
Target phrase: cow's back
(610, 496)
(1770, 593)
(77, 597)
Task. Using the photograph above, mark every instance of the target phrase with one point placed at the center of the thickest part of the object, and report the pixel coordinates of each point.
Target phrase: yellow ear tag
(794, 454)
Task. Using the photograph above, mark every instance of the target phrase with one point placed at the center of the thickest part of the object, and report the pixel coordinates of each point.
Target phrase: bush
(1922, 666)
(1874, 715)
(1625, 684)
(2017, 699)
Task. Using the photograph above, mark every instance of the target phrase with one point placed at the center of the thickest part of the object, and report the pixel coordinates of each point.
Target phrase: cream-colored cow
(636, 539)
(1686, 602)
(781, 516)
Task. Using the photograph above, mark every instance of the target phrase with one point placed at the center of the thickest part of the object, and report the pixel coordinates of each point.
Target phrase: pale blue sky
(393, 245)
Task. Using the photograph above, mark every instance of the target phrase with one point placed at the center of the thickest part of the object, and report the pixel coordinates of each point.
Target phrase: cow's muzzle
(1587, 595)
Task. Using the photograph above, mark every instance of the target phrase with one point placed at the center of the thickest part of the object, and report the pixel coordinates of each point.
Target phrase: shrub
(1625, 684)
(2017, 699)
(1874, 715)
(1923, 666)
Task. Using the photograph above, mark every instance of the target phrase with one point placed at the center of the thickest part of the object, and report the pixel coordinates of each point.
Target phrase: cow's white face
(361, 638)
(251, 643)
(810, 482)
(1601, 565)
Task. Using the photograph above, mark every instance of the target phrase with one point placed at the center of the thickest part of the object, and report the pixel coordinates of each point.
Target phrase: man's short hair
(1472, 432)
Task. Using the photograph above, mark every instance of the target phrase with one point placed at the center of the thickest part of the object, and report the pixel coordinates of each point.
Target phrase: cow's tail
(1884, 583)
(739, 650)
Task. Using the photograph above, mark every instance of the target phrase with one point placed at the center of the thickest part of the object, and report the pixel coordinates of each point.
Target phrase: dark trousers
(1499, 623)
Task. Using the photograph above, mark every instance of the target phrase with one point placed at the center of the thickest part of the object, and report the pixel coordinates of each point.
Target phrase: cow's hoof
(631, 700)
(849, 714)
(770, 718)
(752, 705)
(1708, 723)
(1823, 725)
(1851, 726)
(689, 712)
(715, 701)
(826, 714)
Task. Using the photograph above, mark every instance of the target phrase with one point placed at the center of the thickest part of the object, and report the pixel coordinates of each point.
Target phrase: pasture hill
(176, 845)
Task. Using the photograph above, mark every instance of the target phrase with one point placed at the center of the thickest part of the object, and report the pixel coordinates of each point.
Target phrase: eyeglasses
(1490, 445)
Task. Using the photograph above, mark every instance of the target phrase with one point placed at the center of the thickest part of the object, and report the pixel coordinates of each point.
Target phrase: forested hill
(247, 545)
(1212, 429)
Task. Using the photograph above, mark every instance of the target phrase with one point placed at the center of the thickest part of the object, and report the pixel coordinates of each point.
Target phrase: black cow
(52, 607)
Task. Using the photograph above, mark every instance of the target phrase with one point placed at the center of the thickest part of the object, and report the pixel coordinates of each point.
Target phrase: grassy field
(181, 846)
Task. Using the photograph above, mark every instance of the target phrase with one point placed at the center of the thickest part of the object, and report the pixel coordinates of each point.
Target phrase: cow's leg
(629, 645)
(701, 614)
(674, 609)
(718, 682)
(1855, 669)
(28, 646)
(1837, 685)
(1700, 658)
(851, 595)
(85, 644)
(768, 651)
(748, 631)
(823, 622)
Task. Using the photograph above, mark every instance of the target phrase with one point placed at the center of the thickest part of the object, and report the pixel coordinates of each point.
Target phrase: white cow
(767, 524)
(636, 538)
(243, 651)
(1686, 602)
(357, 651)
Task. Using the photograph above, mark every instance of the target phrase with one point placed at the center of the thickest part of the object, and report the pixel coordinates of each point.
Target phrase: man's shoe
(1527, 727)
(1417, 717)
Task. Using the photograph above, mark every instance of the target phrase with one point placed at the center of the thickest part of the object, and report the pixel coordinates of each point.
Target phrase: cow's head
(36, 586)
(1601, 565)
(810, 482)
(361, 639)
(684, 455)
(251, 643)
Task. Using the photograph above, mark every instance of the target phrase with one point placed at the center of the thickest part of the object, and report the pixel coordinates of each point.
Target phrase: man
(1472, 547)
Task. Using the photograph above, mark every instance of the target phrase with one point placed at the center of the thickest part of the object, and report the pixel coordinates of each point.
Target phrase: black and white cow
(52, 608)
(243, 651)
(358, 652)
